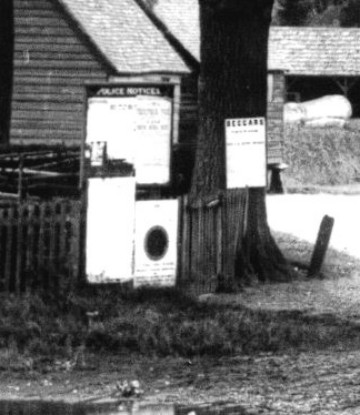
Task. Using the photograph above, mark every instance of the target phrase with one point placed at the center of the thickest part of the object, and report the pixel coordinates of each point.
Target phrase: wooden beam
(345, 84)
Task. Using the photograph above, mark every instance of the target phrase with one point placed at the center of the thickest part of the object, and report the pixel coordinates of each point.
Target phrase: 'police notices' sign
(245, 152)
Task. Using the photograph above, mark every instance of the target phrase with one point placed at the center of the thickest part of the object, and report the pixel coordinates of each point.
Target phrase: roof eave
(153, 72)
(189, 59)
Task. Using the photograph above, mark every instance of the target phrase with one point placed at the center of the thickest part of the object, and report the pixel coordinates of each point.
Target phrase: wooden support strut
(345, 84)
(321, 246)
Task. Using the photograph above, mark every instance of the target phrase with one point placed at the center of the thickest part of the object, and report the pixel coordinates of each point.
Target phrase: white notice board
(156, 239)
(136, 129)
(245, 152)
(110, 229)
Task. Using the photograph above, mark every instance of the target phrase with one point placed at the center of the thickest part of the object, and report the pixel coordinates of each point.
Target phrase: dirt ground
(319, 383)
(292, 383)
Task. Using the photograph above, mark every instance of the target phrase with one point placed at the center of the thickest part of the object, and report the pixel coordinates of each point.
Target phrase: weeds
(162, 322)
(321, 156)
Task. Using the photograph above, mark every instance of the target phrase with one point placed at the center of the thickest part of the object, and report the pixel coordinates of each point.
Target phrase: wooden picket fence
(209, 234)
(39, 244)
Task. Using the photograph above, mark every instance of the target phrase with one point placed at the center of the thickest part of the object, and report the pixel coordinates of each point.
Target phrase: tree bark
(233, 84)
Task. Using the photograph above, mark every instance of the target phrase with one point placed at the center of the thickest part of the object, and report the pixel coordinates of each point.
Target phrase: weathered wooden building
(53, 48)
(317, 61)
(58, 46)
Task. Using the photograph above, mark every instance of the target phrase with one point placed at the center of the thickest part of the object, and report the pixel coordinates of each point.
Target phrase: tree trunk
(233, 84)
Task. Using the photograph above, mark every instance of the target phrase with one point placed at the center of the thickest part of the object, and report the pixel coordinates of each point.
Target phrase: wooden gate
(209, 234)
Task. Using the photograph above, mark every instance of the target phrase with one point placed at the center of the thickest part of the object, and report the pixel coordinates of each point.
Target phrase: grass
(321, 156)
(36, 329)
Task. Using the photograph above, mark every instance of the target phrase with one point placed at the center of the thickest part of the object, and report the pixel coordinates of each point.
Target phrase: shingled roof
(181, 18)
(296, 50)
(125, 36)
(315, 50)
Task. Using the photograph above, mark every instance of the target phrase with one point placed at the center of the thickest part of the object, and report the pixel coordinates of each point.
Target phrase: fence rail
(39, 243)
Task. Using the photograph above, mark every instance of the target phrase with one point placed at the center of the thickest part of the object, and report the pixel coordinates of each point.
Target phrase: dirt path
(319, 383)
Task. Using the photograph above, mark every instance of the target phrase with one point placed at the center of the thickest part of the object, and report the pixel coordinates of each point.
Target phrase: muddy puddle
(55, 408)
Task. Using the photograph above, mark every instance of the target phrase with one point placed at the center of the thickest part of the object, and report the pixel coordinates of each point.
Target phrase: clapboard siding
(52, 62)
(39, 115)
(275, 129)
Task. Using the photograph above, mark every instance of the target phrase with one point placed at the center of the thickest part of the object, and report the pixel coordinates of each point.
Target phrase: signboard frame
(169, 89)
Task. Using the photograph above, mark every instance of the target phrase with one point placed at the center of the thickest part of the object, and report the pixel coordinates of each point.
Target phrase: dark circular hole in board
(156, 243)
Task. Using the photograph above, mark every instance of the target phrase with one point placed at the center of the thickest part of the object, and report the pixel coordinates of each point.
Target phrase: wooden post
(321, 245)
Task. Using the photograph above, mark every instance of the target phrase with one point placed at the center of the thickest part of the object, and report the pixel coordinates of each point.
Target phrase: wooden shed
(61, 45)
(317, 61)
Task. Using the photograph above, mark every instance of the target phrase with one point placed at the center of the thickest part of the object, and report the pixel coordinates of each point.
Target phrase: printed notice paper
(245, 152)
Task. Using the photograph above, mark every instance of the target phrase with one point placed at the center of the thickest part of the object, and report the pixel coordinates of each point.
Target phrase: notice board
(110, 225)
(135, 122)
(245, 152)
(156, 241)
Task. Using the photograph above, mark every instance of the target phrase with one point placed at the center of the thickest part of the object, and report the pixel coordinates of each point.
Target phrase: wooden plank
(49, 20)
(51, 98)
(47, 88)
(45, 134)
(27, 55)
(41, 240)
(31, 13)
(62, 237)
(75, 240)
(57, 64)
(57, 74)
(48, 80)
(19, 245)
(46, 124)
(51, 141)
(30, 240)
(52, 263)
(32, 4)
(46, 41)
(8, 221)
(43, 31)
(45, 116)
(63, 47)
(3, 245)
(47, 106)
(219, 239)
